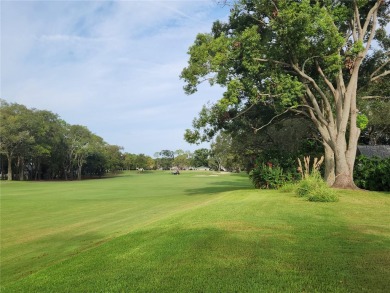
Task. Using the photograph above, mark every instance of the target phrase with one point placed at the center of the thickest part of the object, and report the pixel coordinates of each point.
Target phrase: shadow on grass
(235, 258)
(218, 187)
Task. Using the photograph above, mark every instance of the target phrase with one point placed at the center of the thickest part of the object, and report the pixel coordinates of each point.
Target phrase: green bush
(310, 183)
(314, 188)
(268, 176)
(372, 173)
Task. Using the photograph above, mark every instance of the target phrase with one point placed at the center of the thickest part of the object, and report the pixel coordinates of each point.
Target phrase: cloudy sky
(112, 66)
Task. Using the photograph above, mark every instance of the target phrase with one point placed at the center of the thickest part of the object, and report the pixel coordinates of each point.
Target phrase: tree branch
(304, 63)
(327, 81)
(272, 61)
(357, 18)
(243, 112)
(269, 122)
(312, 97)
(372, 75)
(380, 75)
(374, 97)
(373, 10)
(372, 33)
(316, 108)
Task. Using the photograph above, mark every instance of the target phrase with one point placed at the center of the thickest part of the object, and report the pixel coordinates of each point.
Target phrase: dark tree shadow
(218, 187)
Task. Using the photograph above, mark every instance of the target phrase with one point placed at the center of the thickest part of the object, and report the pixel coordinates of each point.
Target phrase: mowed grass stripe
(46, 222)
(240, 241)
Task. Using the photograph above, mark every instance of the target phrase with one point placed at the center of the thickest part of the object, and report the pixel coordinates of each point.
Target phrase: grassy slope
(157, 232)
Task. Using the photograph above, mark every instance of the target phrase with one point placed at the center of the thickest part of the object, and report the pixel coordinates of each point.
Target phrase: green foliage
(314, 188)
(308, 184)
(289, 187)
(287, 88)
(46, 147)
(200, 158)
(377, 110)
(372, 173)
(323, 194)
(267, 176)
(362, 121)
(356, 48)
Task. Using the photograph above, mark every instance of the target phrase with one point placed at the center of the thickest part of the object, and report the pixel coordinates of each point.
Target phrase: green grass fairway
(155, 232)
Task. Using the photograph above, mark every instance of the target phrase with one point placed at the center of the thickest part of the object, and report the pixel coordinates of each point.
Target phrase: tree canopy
(37, 144)
(303, 57)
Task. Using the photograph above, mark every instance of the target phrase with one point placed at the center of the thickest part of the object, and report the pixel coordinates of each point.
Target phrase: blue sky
(112, 66)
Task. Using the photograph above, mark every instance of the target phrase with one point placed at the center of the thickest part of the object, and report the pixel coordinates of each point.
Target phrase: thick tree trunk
(345, 161)
(329, 165)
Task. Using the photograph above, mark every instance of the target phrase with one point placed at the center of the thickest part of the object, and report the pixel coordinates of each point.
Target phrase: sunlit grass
(162, 233)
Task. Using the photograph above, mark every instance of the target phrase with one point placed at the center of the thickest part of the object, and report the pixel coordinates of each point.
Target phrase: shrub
(372, 173)
(309, 183)
(314, 188)
(268, 176)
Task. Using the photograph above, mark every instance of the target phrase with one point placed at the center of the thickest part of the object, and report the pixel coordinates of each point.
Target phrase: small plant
(305, 170)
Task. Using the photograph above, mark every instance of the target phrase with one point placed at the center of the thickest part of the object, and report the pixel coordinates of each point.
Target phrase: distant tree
(201, 157)
(181, 161)
(220, 151)
(15, 133)
(143, 161)
(48, 148)
(113, 154)
(80, 145)
(129, 161)
(166, 159)
(37, 143)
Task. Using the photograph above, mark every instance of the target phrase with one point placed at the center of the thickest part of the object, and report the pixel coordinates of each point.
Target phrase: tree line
(39, 145)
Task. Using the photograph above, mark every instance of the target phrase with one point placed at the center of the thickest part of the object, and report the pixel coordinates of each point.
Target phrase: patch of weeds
(323, 194)
(314, 188)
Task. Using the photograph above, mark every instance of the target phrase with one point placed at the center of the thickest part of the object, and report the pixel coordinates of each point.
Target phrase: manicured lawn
(156, 232)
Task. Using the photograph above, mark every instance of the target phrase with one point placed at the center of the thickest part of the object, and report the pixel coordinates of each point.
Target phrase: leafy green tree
(201, 157)
(113, 157)
(43, 145)
(303, 57)
(181, 161)
(15, 133)
(80, 145)
(143, 161)
(129, 161)
(220, 151)
(166, 159)
(48, 132)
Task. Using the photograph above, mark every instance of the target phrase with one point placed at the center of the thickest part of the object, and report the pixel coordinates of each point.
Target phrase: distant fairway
(155, 232)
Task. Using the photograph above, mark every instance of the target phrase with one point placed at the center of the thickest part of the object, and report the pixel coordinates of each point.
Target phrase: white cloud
(111, 66)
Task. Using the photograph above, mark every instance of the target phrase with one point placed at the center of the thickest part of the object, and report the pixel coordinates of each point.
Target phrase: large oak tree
(296, 56)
